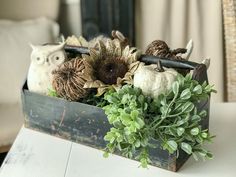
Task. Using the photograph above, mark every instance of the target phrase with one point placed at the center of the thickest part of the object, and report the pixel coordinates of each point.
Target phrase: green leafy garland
(172, 118)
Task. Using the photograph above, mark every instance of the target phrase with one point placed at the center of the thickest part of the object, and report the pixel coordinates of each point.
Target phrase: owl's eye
(38, 58)
(57, 58)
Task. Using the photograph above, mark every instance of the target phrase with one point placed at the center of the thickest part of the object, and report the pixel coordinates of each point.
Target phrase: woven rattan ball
(70, 77)
(158, 48)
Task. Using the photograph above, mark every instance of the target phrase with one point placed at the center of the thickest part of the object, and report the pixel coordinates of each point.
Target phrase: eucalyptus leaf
(175, 87)
(187, 107)
(198, 89)
(105, 154)
(203, 113)
(173, 131)
(186, 147)
(144, 163)
(140, 122)
(134, 114)
(111, 99)
(127, 131)
(119, 139)
(208, 88)
(202, 153)
(188, 77)
(180, 131)
(145, 107)
(172, 144)
(209, 155)
(186, 94)
(180, 122)
(112, 139)
(163, 101)
(137, 143)
(180, 80)
(199, 139)
(195, 111)
(195, 131)
(196, 118)
(204, 135)
(141, 99)
(124, 99)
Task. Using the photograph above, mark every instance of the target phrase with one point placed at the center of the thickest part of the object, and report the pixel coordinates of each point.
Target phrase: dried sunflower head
(70, 77)
(82, 42)
(76, 41)
(113, 65)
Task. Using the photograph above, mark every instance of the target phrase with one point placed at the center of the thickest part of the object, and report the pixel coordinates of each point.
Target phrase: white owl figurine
(44, 59)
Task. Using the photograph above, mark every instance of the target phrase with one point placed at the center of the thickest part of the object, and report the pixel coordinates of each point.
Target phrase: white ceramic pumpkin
(154, 80)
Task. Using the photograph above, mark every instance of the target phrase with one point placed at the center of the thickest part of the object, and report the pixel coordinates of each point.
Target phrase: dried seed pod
(113, 65)
(70, 77)
(110, 69)
(158, 48)
(161, 49)
(118, 35)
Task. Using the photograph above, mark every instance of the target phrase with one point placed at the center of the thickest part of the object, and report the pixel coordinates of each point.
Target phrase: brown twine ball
(70, 77)
(159, 48)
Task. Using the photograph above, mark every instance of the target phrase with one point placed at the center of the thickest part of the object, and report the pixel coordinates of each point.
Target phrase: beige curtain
(177, 21)
(229, 14)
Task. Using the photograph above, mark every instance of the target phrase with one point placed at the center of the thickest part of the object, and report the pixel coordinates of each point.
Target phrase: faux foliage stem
(166, 112)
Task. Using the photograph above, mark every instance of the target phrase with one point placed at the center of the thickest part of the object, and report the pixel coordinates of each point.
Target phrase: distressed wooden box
(86, 124)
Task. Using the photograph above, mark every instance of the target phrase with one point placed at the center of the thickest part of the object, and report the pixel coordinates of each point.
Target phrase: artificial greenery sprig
(126, 111)
(178, 125)
(173, 119)
(52, 93)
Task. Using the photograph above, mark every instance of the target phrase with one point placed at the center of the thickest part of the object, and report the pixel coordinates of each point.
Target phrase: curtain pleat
(229, 14)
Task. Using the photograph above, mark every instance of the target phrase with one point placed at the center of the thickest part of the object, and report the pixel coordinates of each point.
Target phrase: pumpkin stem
(159, 67)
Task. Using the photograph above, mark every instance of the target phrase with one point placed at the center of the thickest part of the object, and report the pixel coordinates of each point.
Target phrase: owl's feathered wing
(39, 79)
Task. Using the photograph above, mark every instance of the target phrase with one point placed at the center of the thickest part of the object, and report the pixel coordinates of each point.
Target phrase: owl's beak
(47, 61)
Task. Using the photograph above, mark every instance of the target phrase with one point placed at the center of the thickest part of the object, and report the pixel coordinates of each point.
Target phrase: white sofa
(35, 26)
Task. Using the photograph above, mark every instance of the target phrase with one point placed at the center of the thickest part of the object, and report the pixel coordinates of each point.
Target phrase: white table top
(36, 154)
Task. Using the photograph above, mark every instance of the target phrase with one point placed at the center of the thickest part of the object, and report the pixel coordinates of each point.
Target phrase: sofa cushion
(14, 62)
(15, 52)
(11, 119)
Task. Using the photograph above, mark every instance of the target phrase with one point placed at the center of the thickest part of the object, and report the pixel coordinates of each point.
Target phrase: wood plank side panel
(79, 123)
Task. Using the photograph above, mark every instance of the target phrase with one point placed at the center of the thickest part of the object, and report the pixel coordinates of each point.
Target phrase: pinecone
(70, 77)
